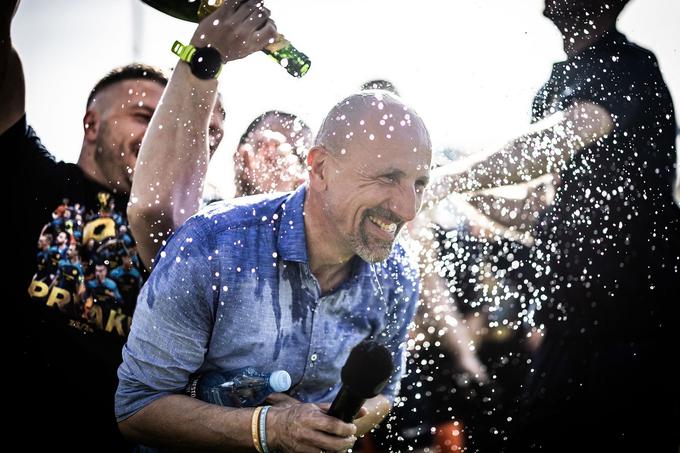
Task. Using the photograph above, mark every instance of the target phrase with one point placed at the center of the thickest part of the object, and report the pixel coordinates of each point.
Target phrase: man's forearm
(182, 423)
(509, 212)
(522, 160)
(172, 162)
(547, 148)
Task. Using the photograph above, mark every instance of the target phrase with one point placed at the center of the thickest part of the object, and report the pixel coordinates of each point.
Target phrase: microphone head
(368, 368)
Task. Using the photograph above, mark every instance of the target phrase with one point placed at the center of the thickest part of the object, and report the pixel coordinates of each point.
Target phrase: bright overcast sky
(470, 68)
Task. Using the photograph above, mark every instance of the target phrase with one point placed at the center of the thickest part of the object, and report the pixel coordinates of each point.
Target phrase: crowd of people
(540, 323)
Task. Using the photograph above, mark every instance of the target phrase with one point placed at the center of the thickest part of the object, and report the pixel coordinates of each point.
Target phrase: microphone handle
(346, 405)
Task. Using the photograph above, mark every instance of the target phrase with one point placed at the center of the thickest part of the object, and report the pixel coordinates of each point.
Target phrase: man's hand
(283, 400)
(236, 29)
(306, 428)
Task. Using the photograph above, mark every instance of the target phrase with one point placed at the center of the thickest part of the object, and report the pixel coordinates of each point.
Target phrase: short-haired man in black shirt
(605, 268)
(65, 379)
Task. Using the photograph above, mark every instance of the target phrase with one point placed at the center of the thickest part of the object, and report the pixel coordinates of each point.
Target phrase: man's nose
(406, 203)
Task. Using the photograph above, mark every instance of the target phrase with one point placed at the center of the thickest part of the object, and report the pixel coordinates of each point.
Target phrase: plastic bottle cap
(280, 381)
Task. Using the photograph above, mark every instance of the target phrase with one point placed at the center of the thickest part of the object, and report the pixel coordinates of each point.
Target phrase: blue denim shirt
(233, 288)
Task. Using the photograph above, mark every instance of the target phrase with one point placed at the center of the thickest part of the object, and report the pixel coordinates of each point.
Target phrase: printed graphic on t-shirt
(87, 267)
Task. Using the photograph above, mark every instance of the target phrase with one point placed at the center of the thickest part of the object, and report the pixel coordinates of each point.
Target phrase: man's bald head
(362, 117)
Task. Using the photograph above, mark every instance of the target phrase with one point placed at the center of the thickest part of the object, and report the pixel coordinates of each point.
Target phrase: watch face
(206, 63)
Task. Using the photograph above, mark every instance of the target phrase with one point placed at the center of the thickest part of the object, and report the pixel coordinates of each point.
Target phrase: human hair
(283, 117)
(379, 84)
(128, 72)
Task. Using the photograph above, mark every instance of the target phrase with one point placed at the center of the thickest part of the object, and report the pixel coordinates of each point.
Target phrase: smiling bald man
(290, 281)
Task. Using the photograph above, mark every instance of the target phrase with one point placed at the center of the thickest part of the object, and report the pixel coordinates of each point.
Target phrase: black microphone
(364, 375)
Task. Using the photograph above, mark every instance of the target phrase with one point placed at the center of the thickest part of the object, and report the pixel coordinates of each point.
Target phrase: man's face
(270, 156)
(377, 185)
(43, 243)
(61, 238)
(100, 272)
(125, 110)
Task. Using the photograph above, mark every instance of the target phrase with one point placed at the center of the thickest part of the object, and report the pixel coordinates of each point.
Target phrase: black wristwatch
(205, 62)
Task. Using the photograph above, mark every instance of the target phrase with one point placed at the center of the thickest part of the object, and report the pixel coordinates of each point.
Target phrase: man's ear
(91, 123)
(317, 158)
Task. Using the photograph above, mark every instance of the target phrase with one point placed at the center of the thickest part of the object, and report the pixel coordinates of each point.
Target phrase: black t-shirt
(608, 248)
(65, 379)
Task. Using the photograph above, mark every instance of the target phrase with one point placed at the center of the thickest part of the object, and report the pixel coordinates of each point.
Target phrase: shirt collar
(292, 241)
(292, 244)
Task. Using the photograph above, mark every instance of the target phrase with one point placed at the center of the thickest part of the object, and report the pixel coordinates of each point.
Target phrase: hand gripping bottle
(281, 50)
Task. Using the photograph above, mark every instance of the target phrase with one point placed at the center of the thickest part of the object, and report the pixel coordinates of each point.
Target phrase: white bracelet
(263, 429)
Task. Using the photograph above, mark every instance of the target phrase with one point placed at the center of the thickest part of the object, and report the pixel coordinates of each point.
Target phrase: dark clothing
(606, 263)
(64, 380)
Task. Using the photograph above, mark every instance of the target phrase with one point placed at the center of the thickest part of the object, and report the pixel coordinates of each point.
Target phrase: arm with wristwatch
(173, 159)
(173, 162)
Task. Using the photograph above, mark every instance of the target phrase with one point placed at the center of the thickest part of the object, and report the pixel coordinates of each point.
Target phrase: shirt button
(313, 357)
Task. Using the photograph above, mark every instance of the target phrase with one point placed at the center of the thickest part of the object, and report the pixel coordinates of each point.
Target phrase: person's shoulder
(117, 272)
(241, 212)
(633, 58)
(18, 133)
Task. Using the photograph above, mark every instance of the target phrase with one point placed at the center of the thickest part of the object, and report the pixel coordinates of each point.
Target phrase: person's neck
(574, 36)
(329, 262)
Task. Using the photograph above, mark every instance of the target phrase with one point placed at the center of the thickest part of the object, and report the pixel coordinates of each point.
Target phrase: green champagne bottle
(281, 50)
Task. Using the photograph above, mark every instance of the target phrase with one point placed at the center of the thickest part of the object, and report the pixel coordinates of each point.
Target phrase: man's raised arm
(546, 149)
(173, 159)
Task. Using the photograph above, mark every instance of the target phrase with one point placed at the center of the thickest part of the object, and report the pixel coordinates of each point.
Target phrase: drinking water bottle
(243, 387)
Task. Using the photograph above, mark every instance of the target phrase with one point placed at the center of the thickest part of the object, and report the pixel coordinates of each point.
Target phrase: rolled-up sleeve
(173, 320)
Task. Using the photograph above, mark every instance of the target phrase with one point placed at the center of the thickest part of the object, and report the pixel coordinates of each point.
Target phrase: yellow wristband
(254, 428)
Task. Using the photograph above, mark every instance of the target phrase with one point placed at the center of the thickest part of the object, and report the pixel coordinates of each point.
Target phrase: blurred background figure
(606, 251)
(271, 154)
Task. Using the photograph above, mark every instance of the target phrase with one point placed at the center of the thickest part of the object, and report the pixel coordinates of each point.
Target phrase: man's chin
(375, 253)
